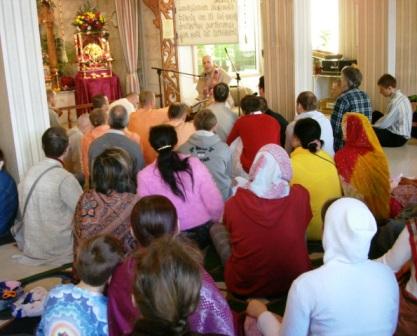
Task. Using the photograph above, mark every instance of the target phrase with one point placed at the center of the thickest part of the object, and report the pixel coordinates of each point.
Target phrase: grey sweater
(215, 154)
(116, 139)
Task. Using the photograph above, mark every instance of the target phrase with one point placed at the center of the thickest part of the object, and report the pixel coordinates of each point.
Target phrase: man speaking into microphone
(211, 76)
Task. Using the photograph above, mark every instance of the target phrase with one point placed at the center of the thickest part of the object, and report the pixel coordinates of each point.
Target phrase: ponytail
(170, 165)
(163, 139)
(148, 327)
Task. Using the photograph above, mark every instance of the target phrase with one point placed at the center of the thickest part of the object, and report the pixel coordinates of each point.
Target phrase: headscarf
(349, 227)
(270, 173)
(363, 164)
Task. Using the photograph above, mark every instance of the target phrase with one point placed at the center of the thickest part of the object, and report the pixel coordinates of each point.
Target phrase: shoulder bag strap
(33, 187)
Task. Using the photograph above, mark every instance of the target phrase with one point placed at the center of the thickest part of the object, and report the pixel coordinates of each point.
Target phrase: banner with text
(206, 22)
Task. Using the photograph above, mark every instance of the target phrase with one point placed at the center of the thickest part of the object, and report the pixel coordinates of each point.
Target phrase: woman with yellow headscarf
(363, 166)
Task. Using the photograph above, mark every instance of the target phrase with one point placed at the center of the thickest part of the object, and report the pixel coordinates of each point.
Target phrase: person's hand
(255, 308)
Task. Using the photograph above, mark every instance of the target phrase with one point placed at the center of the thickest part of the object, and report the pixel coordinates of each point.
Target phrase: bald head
(118, 117)
(207, 63)
(306, 101)
(147, 99)
(133, 97)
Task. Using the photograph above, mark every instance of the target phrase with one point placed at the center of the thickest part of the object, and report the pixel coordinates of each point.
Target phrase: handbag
(17, 229)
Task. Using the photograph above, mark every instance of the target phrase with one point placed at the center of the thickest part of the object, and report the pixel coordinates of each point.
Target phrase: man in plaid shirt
(351, 100)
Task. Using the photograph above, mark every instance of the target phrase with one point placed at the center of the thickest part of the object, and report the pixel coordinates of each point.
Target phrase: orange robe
(141, 121)
(184, 130)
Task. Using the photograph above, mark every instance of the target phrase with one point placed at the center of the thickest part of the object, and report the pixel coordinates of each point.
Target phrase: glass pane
(325, 25)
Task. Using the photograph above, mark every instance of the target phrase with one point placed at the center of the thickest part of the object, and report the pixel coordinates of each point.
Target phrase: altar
(87, 87)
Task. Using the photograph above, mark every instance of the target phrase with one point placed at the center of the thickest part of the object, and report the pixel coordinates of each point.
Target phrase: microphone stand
(159, 72)
(237, 80)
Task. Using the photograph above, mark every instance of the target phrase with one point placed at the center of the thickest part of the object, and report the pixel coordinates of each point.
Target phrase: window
(325, 25)
(246, 55)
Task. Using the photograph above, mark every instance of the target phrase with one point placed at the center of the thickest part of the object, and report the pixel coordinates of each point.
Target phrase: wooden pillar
(46, 18)
(164, 11)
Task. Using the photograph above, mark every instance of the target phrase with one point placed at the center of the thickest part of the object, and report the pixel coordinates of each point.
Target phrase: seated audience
(8, 198)
(107, 206)
(394, 129)
(315, 170)
(98, 118)
(167, 287)
(141, 121)
(349, 294)
(351, 100)
(82, 309)
(307, 108)
(73, 159)
(207, 146)
(48, 195)
(249, 127)
(267, 221)
(130, 102)
(117, 137)
(177, 114)
(278, 117)
(53, 112)
(185, 181)
(224, 115)
(363, 166)
(404, 251)
(154, 217)
(100, 101)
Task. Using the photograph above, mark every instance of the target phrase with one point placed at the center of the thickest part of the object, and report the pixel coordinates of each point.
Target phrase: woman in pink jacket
(185, 181)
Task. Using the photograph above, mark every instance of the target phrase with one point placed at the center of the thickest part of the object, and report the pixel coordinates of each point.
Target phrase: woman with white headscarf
(267, 221)
(349, 294)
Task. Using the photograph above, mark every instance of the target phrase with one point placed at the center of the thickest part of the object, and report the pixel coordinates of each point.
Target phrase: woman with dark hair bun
(185, 181)
(315, 170)
(155, 217)
(106, 208)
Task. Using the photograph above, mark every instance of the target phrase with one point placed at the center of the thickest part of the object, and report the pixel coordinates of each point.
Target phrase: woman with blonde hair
(363, 166)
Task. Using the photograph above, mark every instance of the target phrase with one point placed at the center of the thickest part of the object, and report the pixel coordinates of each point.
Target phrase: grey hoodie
(215, 154)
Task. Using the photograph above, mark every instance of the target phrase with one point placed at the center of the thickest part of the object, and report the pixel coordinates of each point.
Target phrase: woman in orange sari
(363, 166)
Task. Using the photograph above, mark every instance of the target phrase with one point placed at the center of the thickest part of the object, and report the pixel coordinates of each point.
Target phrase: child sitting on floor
(82, 309)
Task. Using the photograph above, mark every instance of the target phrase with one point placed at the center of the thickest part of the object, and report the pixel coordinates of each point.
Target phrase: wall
(151, 50)
(278, 33)
(364, 36)
(406, 46)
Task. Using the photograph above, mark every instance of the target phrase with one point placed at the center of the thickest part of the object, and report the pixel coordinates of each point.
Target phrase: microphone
(225, 50)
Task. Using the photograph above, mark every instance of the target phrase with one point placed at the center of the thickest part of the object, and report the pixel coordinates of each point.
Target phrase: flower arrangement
(94, 52)
(89, 19)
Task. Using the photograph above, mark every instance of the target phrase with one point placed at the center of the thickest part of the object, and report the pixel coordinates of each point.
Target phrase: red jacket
(255, 130)
(269, 248)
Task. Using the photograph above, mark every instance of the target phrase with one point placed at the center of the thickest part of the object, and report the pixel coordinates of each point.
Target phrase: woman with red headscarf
(363, 166)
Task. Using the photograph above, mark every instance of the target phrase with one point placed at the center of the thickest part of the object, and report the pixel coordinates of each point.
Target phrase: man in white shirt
(349, 294)
(307, 108)
(394, 129)
(130, 102)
